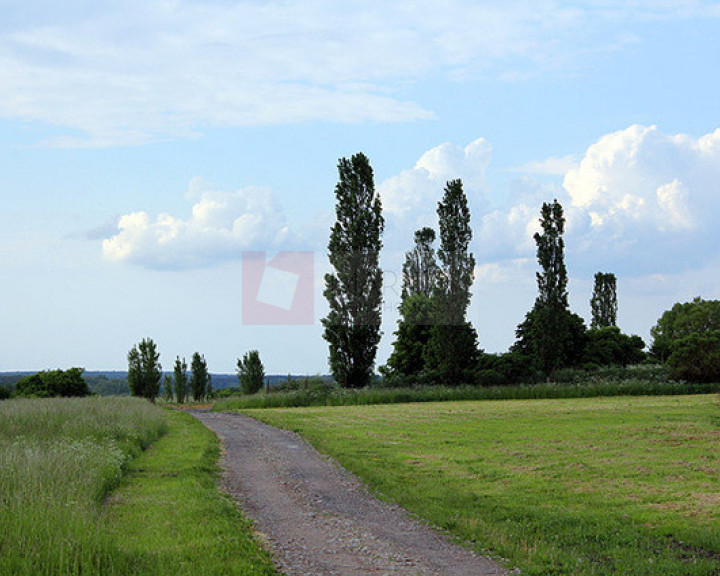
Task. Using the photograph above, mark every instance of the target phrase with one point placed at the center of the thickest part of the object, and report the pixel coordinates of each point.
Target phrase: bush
(4, 393)
(53, 383)
(696, 358)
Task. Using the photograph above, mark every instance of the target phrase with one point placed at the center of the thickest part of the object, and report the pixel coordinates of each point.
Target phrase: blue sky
(145, 145)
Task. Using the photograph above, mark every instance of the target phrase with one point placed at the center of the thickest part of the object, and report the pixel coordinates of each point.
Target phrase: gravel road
(316, 518)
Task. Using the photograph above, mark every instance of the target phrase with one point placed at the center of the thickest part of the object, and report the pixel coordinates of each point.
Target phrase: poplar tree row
(435, 342)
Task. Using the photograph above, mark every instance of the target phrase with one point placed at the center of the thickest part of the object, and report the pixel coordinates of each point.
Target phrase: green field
(626, 485)
(78, 495)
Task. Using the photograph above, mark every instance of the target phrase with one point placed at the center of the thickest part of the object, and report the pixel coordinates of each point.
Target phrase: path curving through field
(318, 519)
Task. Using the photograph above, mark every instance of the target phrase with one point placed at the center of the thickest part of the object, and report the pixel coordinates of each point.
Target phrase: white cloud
(552, 166)
(220, 227)
(648, 197)
(138, 71)
(410, 198)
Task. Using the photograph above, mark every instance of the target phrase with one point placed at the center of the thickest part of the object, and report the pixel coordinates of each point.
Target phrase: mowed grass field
(627, 485)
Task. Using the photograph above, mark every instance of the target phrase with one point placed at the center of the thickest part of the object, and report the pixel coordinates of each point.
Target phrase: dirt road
(319, 519)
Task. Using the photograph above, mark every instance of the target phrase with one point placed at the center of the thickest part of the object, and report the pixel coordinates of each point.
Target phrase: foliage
(200, 378)
(506, 370)
(144, 370)
(610, 346)
(683, 319)
(251, 372)
(420, 269)
(53, 383)
(696, 357)
(4, 393)
(550, 334)
(452, 350)
(604, 301)
(103, 386)
(59, 458)
(407, 360)
(576, 384)
(354, 289)
(582, 487)
(180, 380)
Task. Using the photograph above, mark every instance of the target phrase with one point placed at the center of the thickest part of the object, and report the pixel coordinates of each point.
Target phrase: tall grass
(327, 396)
(59, 458)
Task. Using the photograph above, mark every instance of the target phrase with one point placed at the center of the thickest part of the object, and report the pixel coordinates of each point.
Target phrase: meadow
(624, 485)
(115, 486)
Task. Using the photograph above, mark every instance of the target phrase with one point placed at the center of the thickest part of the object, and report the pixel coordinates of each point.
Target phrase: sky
(166, 167)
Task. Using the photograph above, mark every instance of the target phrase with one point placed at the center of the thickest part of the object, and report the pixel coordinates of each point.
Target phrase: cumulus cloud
(220, 226)
(136, 71)
(410, 198)
(648, 197)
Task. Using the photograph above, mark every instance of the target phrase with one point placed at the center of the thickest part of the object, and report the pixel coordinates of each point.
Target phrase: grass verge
(168, 517)
(331, 396)
(577, 486)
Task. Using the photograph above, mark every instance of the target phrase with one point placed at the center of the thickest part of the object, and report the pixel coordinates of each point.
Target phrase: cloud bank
(137, 71)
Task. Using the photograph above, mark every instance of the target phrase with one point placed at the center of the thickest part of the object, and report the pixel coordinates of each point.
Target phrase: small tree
(251, 372)
(53, 383)
(144, 370)
(199, 378)
(604, 301)
(180, 380)
(684, 319)
(167, 388)
(354, 289)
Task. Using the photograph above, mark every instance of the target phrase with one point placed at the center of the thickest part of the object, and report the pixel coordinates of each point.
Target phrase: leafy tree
(452, 351)
(550, 334)
(420, 272)
(4, 393)
(420, 269)
(251, 372)
(167, 388)
(144, 370)
(608, 346)
(604, 301)
(180, 380)
(696, 357)
(199, 379)
(53, 383)
(354, 290)
(407, 361)
(684, 319)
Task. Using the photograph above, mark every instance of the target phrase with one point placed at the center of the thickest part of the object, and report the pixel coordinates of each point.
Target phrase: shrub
(53, 383)
(696, 358)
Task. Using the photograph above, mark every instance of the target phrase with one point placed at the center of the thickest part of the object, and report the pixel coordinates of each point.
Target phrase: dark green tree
(608, 346)
(684, 319)
(53, 383)
(452, 352)
(251, 372)
(604, 301)
(199, 377)
(354, 290)
(180, 380)
(696, 357)
(144, 370)
(420, 272)
(550, 334)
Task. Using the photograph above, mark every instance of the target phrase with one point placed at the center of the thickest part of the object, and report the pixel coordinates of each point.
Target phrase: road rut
(318, 519)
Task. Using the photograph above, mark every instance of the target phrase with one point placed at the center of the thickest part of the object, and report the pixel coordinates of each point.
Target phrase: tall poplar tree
(604, 301)
(550, 334)
(180, 378)
(354, 289)
(452, 352)
(420, 272)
